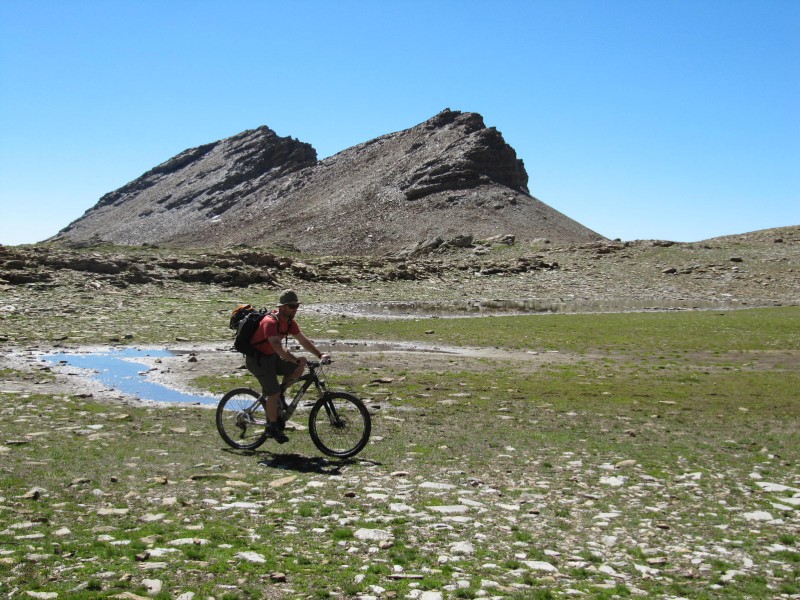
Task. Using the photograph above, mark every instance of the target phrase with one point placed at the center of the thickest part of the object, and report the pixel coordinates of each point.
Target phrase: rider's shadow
(310, 464)
(302, 464)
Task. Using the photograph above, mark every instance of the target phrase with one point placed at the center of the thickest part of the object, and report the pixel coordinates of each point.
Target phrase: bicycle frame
(309, 379)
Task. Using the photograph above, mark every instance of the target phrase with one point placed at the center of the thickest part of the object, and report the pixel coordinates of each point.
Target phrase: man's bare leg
(296, 374)
(272, 407)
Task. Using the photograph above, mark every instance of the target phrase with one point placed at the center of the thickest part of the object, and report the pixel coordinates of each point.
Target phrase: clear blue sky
(644, 119)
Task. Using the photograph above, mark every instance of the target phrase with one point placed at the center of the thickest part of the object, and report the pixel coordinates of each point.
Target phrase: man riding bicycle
(273, 358)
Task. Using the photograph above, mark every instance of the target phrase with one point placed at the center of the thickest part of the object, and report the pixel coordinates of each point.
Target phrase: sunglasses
(294, 306)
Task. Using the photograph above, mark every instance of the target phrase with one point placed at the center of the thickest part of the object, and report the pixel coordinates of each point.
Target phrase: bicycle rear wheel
(242, 419)
(339, 424)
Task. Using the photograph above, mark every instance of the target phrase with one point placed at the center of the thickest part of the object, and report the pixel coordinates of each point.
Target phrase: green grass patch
(643, 449)
(644, 334)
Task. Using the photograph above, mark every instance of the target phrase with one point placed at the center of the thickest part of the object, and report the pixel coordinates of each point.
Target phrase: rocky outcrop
(482, 157)
(448, 176)
(234, 268)
(754, 269)
(192, 190)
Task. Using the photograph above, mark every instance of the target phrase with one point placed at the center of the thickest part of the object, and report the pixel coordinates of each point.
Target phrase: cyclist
(273, 358)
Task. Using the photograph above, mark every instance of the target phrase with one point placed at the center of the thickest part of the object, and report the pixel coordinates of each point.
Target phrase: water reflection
(120, 370)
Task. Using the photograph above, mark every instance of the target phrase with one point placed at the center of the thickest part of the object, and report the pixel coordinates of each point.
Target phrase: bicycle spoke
(241, 419)
(339, 425)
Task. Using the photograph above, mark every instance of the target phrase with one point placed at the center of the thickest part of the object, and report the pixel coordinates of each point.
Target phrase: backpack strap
(278, 325)
(259, 343)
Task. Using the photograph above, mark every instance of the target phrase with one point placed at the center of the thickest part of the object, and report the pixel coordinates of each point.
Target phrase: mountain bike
(338, 422)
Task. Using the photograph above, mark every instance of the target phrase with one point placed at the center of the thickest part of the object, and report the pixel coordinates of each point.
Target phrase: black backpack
(245, 319)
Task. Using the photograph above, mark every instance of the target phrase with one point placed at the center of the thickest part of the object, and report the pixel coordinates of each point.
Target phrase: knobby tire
(339, 424)
(239, 429)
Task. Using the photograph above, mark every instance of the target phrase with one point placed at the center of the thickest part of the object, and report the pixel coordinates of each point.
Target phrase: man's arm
(309, 345)
(280, 350)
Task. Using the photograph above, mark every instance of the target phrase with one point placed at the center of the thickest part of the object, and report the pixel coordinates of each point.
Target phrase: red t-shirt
(269, 328)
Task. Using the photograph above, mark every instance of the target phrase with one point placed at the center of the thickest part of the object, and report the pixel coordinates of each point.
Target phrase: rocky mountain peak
(448, 176)
(481, 154)
(198, 184)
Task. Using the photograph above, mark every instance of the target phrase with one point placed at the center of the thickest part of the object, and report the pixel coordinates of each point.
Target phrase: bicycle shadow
(321, 465)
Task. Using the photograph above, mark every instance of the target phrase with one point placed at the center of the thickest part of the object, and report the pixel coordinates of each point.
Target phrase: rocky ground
(558, 501)
(757, 269)
(426, 513)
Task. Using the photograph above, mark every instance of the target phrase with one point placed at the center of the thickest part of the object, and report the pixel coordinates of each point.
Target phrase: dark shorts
(266, 368)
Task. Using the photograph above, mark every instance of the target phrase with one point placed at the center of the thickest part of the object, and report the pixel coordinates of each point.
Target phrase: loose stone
(253, 557)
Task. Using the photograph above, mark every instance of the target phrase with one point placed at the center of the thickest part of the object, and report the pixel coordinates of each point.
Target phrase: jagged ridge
(448, 176)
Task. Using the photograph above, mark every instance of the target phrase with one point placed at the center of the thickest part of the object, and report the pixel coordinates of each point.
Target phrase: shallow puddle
(487, 307)
(124, 370)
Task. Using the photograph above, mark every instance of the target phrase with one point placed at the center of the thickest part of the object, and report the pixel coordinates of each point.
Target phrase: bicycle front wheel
(339, 424)
(242, 419)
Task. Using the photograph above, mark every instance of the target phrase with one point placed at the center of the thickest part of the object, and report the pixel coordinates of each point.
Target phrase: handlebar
(316, 364)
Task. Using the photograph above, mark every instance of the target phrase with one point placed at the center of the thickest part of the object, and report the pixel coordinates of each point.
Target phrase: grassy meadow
(641, 454)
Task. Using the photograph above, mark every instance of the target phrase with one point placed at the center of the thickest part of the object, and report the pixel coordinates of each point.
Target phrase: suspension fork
(330, 410)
